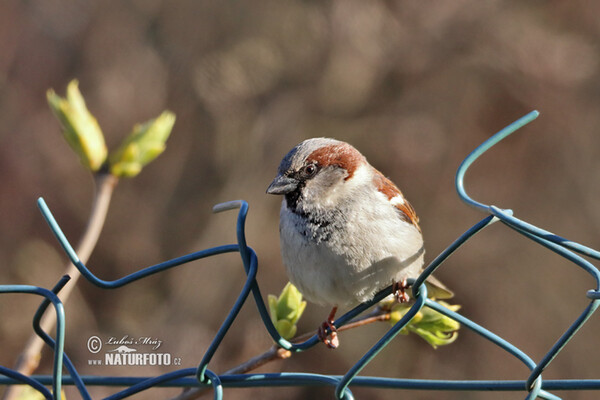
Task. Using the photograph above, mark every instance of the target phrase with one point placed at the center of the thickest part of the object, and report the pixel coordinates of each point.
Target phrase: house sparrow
(346, 230)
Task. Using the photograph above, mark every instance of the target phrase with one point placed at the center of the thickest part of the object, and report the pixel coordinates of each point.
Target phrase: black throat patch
(292, 198)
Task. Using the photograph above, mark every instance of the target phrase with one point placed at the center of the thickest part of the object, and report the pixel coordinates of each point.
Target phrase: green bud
(290, 305)
(80, 128)
(436, 338)
(286, 329)
(434, 327)
(272, 299)
(142, 146)
(286, 310)
(397, 312)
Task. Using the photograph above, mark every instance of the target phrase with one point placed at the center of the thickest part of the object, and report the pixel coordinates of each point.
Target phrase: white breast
(348, 261)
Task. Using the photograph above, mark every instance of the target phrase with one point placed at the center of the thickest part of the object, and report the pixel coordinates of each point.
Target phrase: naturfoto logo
(129, 351)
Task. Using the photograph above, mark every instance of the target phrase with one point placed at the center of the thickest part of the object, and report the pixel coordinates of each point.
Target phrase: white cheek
(334, 189)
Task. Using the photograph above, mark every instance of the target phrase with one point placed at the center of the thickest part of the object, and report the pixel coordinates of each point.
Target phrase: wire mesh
(533, 385)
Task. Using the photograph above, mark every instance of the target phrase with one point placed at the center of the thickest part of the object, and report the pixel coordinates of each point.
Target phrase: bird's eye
(309, 171)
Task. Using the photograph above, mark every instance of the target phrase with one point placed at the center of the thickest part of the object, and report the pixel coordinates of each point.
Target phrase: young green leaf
(286, 310)
(434, 327)
(142, 146)
(80, 128)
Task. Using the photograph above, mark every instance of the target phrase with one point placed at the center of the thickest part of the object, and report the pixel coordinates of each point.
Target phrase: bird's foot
(399, 291)
(327, 332)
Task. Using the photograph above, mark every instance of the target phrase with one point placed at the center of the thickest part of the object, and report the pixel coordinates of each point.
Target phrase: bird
(346, 230)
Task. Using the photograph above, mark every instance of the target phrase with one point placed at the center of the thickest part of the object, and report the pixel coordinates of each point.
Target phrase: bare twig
(274, 353)
(384, 316)
(29, 359)
(277, 353)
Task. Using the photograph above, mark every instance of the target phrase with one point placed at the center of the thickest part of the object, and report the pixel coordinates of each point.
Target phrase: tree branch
(29, 359)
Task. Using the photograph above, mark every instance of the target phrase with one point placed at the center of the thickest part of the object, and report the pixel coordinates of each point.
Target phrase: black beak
(282, 185)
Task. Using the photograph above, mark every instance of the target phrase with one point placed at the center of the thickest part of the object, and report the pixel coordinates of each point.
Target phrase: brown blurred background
(414, 85)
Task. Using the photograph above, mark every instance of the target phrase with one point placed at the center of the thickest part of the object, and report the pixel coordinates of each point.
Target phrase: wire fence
(533, 385)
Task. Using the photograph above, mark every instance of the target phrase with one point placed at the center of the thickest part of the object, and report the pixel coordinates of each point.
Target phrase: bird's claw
(327, 333)
(399, 291)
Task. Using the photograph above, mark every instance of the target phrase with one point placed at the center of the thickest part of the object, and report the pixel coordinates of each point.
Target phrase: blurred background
(415, 86)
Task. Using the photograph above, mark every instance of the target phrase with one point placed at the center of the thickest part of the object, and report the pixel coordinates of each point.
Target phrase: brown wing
(395, 196)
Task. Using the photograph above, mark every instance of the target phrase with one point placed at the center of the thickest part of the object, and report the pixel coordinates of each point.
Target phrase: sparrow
(346, 231)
